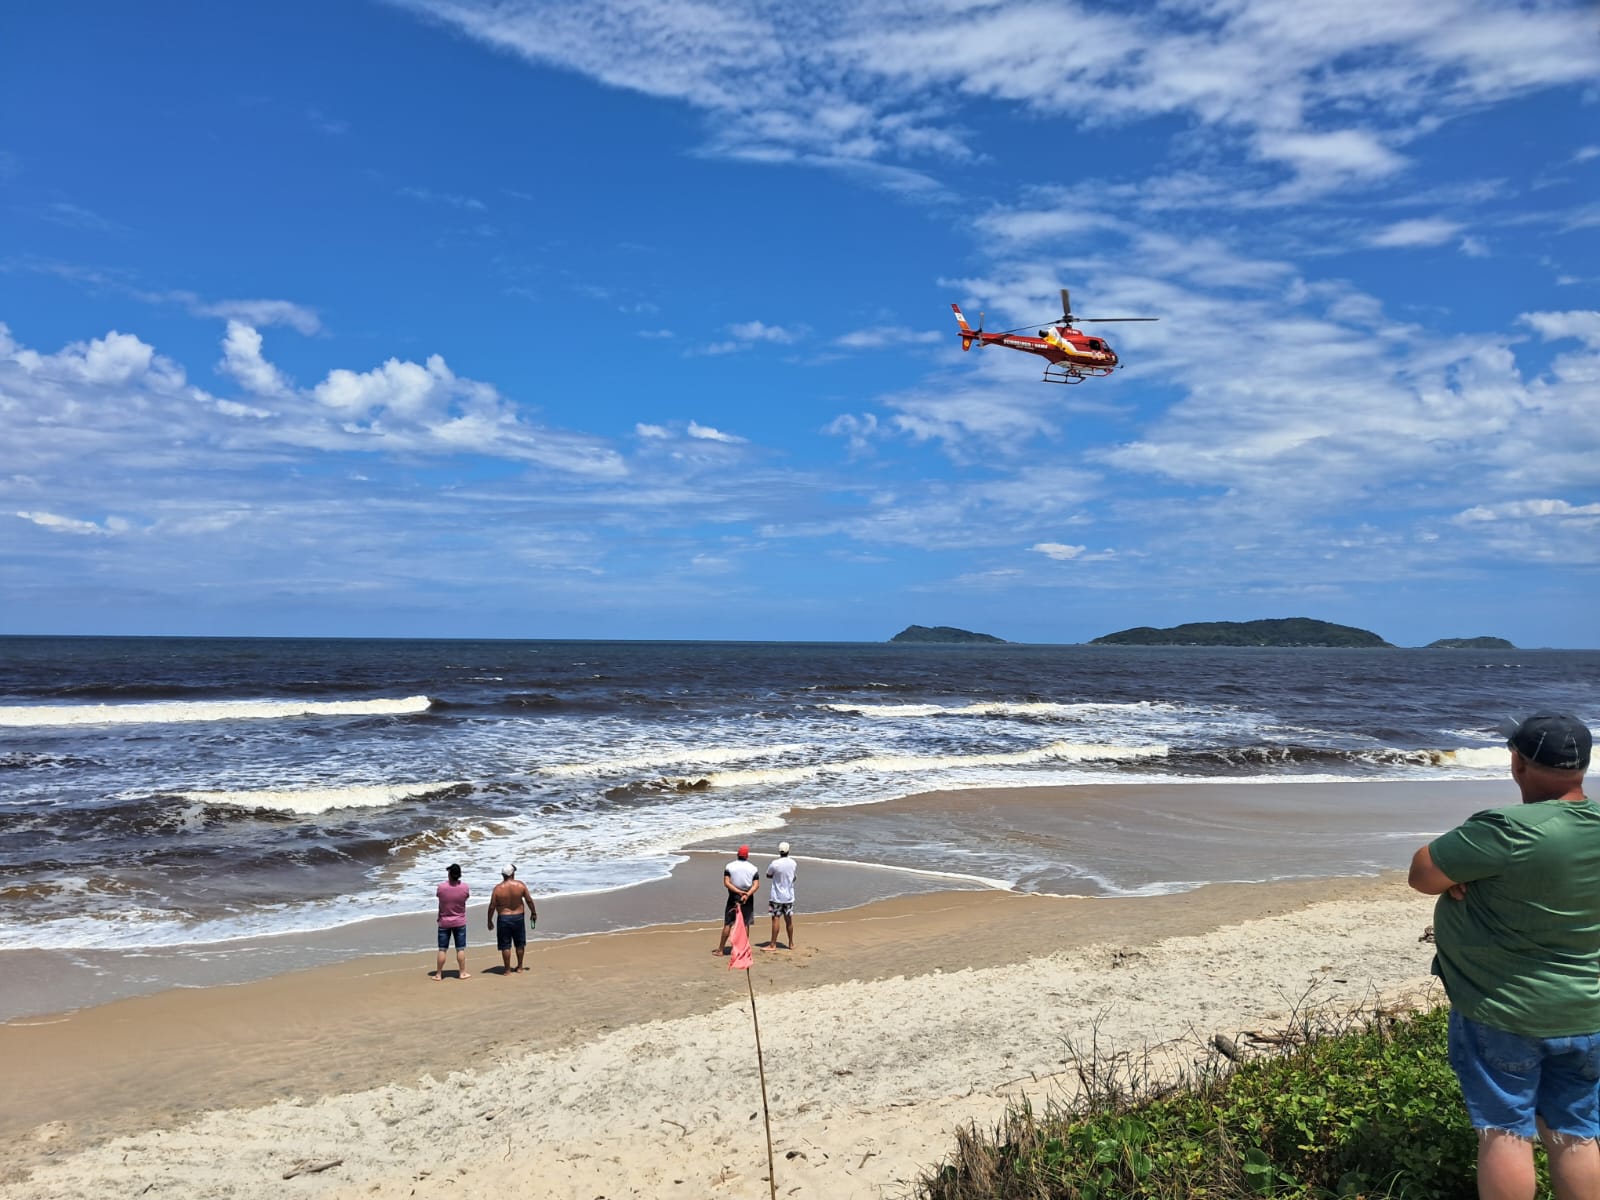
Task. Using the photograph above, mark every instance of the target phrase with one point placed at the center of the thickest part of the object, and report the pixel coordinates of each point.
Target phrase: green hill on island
(1473, 643)
(945, 634)
(1286, 631)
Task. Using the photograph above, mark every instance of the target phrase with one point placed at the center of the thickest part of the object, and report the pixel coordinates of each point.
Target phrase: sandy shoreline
(622, 1064)
(1162, 836)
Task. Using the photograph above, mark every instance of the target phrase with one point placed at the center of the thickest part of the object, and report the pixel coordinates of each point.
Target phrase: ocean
(163, 792)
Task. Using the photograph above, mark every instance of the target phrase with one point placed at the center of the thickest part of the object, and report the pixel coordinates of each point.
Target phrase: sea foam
(996, 708)
(310, 801)
(20, 716)
(1071, 752)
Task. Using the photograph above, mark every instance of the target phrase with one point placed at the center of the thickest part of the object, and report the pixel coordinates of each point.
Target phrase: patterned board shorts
(780, 910)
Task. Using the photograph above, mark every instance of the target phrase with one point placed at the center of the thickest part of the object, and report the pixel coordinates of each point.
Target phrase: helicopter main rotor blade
(1066, 307)
(1103, 320)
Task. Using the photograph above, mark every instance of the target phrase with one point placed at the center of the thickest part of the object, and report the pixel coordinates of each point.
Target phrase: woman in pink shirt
(453, 921)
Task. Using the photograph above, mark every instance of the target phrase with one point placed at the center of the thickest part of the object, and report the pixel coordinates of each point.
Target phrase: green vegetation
(1366, 1107)
(1287, 631)
(1476, 643)
(944, 633)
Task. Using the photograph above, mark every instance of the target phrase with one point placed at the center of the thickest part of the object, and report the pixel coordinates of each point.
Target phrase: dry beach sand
(622, 1064)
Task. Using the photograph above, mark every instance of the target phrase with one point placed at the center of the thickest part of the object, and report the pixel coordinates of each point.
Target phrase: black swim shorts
(510, 930)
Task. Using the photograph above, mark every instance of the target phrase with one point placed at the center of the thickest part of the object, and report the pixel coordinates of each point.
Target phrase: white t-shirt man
(781, 872)
(742, 872)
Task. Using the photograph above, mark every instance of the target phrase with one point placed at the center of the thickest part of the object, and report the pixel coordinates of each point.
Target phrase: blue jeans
(1506, 1078)
(458, 932)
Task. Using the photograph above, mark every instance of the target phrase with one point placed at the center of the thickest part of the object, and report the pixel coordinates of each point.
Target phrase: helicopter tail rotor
(968, 333)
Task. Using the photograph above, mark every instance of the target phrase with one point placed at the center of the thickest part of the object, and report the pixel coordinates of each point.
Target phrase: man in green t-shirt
(1517, 927)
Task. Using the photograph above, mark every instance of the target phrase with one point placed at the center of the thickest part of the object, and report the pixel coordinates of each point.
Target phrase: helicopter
(1071, 355)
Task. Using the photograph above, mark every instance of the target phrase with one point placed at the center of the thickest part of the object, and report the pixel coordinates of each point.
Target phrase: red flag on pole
(740, 943)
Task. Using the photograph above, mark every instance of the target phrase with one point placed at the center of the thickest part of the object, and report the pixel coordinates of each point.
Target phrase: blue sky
(451, 317)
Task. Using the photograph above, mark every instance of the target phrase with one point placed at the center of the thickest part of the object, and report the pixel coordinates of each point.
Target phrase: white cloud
(758, 331)
(259, 313)
(1526, 510)
(656, 432)
(1474, 247)
(1420, 231)
(1057, 550)
(1325, 92)
(59, 524)
(885, 336)
(76, 216)
(117, 358)
(1583, 325)
(252, 312)
(323, 123)
(1327, 160)
(405, 389)
(449, 199)
(1035, 225)
(91, 397)
(747, 334)
(1585, 153)
(1551, 531)
(241, 358)
(706, 433)
(858, 430)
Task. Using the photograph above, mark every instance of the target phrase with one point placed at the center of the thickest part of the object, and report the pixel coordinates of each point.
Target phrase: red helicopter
(1071, 355)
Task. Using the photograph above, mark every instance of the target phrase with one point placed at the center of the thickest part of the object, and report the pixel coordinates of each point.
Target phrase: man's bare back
(509, 896)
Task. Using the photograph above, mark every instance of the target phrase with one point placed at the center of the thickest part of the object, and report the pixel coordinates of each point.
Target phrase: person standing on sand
(505, 916)
(1517, 928)
(452, 896)
(780, 901)
(741, 881)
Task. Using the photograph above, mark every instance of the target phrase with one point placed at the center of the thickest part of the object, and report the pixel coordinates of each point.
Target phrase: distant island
(1287, 631)
(945, 634)
(1477, 643)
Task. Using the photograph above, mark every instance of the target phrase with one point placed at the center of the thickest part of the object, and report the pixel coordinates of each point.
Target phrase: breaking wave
(1055, 752)
(310, 801)
(24, 716)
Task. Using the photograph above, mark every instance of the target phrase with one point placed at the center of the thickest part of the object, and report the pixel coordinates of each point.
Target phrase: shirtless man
(505, 915)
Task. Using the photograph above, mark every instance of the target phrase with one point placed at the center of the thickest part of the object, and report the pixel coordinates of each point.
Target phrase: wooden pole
(761, 1066)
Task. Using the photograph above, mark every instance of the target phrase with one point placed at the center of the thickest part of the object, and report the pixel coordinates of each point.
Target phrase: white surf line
(167, 712)
(999, 885)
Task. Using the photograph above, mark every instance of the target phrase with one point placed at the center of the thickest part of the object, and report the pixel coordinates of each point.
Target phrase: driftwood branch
(312, 1168)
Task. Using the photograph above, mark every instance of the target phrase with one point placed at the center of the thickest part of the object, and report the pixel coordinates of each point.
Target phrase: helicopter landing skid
(1071, 373)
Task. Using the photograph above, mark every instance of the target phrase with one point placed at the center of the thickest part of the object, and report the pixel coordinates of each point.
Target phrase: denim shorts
(1506, 1078)
(446, 932)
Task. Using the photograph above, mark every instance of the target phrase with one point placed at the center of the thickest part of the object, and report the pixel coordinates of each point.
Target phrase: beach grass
(1355, 1104)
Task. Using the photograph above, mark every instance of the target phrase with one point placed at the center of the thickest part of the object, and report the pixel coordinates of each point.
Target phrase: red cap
(744, 851)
